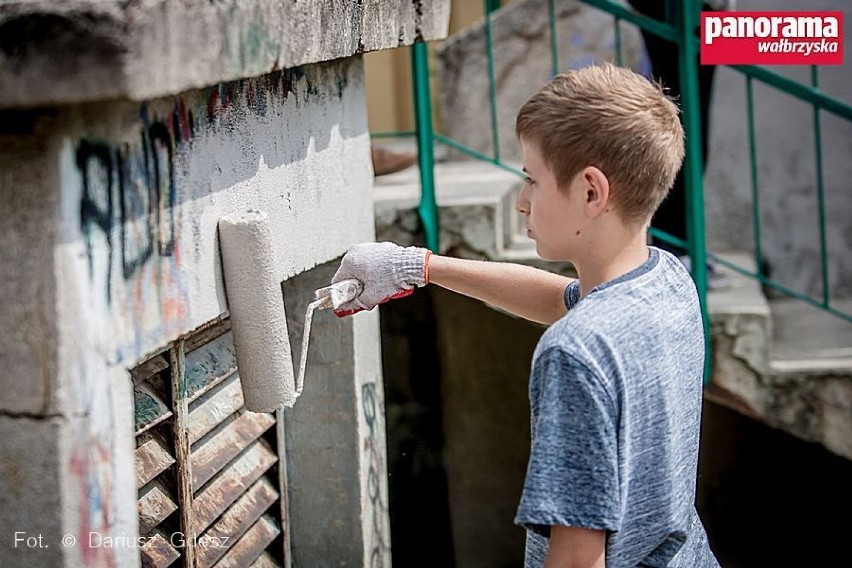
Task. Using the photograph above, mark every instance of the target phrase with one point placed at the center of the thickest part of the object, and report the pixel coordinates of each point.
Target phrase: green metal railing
(428, 209)
(681, 32)
(819, 101)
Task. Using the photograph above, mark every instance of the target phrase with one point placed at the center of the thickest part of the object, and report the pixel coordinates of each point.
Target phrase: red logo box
(772, 38)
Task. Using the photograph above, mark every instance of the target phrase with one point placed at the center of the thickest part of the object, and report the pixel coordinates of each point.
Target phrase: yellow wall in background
(389, 94)
(388, 75)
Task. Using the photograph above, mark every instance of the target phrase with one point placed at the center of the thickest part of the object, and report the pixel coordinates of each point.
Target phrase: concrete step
(811, 372)
(782, 361)
(808, 340)
(741, 322)
(476, 205)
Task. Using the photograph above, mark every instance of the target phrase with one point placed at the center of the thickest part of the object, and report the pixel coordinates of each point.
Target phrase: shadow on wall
(417, 481)
(322, 476)
(766, 497)
(458, 429)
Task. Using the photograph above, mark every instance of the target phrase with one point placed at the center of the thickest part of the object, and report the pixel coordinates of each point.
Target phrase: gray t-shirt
(615, 394)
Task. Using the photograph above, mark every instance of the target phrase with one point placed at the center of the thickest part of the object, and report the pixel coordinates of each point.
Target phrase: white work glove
(388, 271)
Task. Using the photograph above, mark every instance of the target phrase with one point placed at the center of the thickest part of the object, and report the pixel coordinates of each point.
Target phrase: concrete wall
(485, 362)
(520, 36)
(127, 129)
(112, 253)
(335, 434)
(786, 170)
(83, 50)
(143, 187)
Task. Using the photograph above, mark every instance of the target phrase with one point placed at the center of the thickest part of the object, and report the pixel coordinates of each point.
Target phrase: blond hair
(614, 119)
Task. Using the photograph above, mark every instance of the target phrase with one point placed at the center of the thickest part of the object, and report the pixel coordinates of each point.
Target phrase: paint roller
(258, 318)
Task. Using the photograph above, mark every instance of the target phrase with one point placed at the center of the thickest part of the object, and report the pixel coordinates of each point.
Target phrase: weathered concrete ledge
(785, 376)
(54, 53)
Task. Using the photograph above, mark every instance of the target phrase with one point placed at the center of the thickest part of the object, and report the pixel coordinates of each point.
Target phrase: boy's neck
(611, 258)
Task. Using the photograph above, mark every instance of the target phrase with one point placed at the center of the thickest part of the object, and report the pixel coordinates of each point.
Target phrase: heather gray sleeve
(572, 294)
(572, 476)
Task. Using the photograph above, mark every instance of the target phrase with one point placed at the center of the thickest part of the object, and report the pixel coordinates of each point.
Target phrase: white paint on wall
(137, 262)
(144, 281)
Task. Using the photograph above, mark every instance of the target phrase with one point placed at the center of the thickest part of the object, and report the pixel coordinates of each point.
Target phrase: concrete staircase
(780, 361)
(477, 217)
(475, 203)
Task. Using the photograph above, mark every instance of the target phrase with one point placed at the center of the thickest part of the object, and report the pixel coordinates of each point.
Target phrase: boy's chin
(548, 254)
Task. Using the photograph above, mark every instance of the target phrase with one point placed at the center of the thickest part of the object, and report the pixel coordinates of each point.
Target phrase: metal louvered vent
(211, 489)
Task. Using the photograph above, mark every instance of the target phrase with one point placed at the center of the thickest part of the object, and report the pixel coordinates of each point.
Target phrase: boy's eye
(529, 181)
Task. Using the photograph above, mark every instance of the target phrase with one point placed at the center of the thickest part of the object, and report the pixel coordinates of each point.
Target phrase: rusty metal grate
(211, 488)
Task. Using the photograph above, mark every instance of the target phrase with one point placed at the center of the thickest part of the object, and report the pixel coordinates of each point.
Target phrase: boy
(616, 381)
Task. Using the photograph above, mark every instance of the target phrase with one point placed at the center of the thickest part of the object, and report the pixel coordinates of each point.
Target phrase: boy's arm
(390, 271)
(527, 292)
(575, 547)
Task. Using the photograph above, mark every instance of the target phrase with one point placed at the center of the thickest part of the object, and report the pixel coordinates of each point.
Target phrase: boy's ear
(595, 191)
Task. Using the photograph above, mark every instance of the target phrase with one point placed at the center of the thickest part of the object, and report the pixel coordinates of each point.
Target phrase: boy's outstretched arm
(525, 291)
(390, 271)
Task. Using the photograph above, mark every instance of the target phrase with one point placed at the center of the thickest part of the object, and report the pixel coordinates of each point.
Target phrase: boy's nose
(523, 204)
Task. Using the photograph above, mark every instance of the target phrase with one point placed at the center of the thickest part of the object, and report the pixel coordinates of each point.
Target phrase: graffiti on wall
(90, 466)
(130, 190)
(139, 209)
(129, 223)
(372, 448)
(131, 194)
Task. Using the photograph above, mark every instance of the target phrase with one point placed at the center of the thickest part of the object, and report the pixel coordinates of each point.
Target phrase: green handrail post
(617, 24)
(693, 174)
(755, 186)
(823, 239)
(554, 44)
(490, 6)
(428, 209)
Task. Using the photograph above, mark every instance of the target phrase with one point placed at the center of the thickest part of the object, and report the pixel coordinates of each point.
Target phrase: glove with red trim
(388, 271)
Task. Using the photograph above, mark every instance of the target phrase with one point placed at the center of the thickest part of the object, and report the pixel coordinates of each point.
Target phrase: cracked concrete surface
(85, 50)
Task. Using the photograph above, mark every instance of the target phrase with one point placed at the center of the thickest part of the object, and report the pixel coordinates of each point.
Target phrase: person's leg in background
(388, 161)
